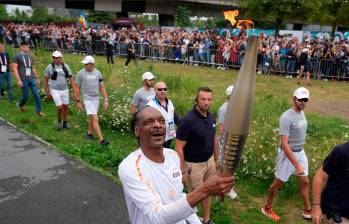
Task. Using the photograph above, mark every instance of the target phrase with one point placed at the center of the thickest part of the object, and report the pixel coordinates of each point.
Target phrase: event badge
(3, 64)
(171, 128)
(28, 72)
(3, 68)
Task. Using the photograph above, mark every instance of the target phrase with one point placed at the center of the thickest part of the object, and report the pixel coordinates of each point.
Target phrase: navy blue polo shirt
(199, 133)
(335, 196)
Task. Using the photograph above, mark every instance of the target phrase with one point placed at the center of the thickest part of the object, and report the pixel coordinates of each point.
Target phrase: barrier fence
(219, 58)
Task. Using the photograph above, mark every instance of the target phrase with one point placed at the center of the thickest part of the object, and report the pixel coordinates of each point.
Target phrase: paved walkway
(39, 185)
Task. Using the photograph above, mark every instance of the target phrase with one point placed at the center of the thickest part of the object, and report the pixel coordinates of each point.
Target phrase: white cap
(57, 54)
(229, 90)
(148, 76)
(88, 60)
(301, 93)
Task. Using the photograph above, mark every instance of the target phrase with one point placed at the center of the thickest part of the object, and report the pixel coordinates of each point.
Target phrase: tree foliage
(272, 10)
(220, 22)
(40, 14)
(182, 17)
(329, 12)
(20, 15)
(100, 17)
(147, 20)
(3, 12)
(325, 12)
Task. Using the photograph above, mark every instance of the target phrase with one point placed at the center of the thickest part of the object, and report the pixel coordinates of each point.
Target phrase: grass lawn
(256, 169)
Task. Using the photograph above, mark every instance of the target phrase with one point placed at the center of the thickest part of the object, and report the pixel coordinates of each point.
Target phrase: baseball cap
(88, 60)
(57, 54)
(148, 76)
(229, 90)
(301, 93)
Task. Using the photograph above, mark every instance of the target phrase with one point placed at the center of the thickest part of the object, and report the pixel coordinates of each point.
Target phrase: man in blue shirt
(197, 146)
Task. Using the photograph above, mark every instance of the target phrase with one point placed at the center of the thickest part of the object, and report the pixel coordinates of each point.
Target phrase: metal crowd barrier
(218, 58)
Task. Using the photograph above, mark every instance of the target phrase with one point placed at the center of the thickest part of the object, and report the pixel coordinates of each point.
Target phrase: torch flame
(230, 16)
(247, 23)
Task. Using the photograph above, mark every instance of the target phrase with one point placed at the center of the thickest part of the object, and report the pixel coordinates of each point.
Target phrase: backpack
(54, 74)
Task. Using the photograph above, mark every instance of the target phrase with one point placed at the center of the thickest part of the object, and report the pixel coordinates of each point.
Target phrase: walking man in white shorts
(56, 88)
(291, 158)
(89, 81)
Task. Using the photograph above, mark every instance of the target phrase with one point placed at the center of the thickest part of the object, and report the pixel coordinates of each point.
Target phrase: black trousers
(110, 57)
(129, 57)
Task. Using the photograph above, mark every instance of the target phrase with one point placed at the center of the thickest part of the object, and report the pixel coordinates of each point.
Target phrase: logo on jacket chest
(176, 174)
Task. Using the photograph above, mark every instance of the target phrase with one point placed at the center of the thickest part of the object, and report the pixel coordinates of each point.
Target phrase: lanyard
(5, 59)
(25, 62)
(158, 103)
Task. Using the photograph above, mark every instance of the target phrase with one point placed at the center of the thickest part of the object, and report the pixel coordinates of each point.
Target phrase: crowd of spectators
(324, 58)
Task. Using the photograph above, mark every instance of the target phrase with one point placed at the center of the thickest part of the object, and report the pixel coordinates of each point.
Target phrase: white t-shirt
(154, 191)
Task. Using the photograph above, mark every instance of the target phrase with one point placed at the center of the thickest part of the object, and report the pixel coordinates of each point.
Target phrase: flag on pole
(82, 20)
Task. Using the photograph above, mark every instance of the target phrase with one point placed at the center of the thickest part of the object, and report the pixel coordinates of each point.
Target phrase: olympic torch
(239, 112)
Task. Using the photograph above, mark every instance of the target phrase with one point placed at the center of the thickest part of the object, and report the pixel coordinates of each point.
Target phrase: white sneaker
(232, 194)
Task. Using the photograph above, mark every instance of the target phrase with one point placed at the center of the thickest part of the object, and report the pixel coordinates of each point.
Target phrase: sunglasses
(162, 89)
(303, 100)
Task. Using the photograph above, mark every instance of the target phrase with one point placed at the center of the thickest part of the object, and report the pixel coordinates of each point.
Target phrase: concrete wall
(49, 3)
(169, 7)
(108, 5)
(216, 2)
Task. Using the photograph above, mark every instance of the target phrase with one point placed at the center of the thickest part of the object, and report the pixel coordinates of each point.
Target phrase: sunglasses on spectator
(303, 100)
(162, 89)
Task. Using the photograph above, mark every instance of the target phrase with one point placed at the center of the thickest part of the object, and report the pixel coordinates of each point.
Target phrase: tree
(147, 20)
(3, 12)
(100, 17)
(40, 14)
(198, 23)
(272, 10)
(220, 22)
(329, 12)
(20, 15)
(182, 18)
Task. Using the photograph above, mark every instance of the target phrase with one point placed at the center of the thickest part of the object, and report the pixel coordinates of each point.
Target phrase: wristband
(78, 101)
